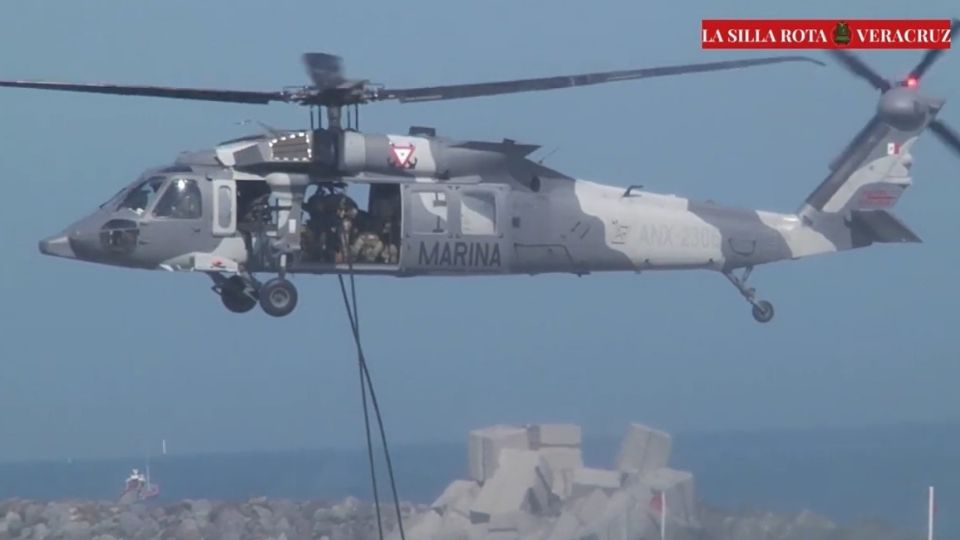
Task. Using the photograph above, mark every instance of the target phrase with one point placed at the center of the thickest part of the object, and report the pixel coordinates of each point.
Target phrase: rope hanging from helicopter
(366, 383)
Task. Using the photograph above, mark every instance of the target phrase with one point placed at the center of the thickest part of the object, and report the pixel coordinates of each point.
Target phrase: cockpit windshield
(140, 197)
(180, 201)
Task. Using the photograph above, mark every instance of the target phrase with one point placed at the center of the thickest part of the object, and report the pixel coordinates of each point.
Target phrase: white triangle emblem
(401, 155)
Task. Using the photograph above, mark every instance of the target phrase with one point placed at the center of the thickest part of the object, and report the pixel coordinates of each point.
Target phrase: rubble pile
(530, 482)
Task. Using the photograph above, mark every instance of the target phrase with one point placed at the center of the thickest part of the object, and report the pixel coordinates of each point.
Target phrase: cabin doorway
(338, 231)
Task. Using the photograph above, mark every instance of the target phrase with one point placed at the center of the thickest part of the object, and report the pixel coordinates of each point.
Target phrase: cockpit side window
(140, 197)
(180, 201)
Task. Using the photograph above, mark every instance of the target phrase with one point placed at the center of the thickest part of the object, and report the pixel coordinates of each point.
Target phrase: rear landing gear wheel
(763, 311)
(278, 297)
(233, 296)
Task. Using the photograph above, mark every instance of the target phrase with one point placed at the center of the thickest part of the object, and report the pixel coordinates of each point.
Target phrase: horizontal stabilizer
(870, 226)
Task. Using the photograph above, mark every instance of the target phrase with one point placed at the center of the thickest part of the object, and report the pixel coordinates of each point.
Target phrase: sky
(100, 361)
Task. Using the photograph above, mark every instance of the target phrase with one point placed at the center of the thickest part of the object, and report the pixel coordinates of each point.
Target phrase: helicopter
(279, 202)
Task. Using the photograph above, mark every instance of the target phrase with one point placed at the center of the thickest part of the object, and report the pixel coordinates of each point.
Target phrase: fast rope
(366, 383)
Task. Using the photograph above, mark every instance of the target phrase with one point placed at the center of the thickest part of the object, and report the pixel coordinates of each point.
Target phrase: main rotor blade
(946, 135)
(228, 96)
(931, 56)
(857, 67)
(457, 91)
(325, 70)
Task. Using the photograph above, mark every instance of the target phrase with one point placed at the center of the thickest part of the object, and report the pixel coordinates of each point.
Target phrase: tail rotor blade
(860, 69)
(946, 135)
(932, 55)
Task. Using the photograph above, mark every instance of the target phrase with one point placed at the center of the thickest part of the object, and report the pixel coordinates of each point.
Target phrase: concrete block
(563, 463)
(520, 522)
(458, 497)
(454, 526)
(623, 518)
(587, 480)
(589, 508)
(567, 527)
(519, 485)
(502, 535)
(541, 533)
(554, 435)
(484, 447)
(644, 449)
(562, 458)
(425, 526)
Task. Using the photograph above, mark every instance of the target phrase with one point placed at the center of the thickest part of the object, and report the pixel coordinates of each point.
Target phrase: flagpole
(663, 515)
(930, 507)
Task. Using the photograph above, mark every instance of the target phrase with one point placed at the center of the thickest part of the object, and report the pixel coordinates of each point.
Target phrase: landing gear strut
(762, 310)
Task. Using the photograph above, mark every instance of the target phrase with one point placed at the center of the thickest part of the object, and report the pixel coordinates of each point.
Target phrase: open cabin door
(452, 229)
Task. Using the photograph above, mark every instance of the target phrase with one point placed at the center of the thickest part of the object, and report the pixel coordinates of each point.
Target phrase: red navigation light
(912, 82)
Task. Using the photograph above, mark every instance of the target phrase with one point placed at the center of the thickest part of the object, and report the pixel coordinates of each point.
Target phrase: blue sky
(98, 360)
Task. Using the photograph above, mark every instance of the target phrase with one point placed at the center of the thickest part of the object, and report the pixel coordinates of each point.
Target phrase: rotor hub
(903, 108)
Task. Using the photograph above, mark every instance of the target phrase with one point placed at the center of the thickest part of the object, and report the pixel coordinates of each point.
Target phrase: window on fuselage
(181, 200)
(478, 213)
(140, 197)
(428, 212)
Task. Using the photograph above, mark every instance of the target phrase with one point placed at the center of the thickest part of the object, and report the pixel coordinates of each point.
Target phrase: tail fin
(851, 207)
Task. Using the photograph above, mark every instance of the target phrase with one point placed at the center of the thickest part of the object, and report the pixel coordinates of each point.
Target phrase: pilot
(189, 206)
(138, 201)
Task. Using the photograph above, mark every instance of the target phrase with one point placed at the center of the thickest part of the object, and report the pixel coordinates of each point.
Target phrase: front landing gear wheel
(278, 297)
(233, 296)
(763, 311)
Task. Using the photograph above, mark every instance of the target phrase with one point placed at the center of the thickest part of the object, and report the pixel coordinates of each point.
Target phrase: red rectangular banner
(825, 34)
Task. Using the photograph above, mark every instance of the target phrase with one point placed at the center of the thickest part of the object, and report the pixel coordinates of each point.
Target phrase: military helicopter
(279, 202)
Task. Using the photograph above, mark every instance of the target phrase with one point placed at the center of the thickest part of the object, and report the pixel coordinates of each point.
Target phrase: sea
(876, 474)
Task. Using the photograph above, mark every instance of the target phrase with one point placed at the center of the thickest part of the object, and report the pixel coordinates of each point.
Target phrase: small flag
(893, 149)
(656, 502)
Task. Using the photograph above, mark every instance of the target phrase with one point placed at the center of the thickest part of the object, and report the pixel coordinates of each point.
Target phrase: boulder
(129, 524)
(12, 524)
(201, 510)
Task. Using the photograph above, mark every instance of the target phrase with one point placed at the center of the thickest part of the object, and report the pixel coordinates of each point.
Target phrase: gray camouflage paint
(545, 222)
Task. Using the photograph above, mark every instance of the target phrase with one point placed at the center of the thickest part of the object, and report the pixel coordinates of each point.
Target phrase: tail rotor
(903, 106)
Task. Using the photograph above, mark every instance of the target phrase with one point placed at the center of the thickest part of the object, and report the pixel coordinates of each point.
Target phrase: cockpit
(124, 230)
(167, 197)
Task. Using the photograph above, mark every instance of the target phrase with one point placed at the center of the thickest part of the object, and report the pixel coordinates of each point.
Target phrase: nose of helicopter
(57, 246)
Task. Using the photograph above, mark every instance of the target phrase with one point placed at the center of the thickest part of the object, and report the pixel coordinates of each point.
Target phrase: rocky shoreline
(258, 518)
(350, 519)
(524, 482)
